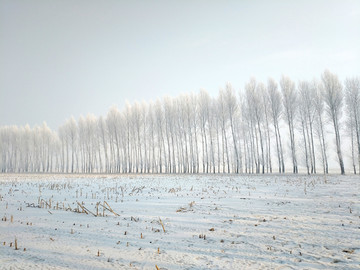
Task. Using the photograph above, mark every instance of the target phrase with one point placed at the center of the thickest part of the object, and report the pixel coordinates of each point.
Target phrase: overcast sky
(63, 58)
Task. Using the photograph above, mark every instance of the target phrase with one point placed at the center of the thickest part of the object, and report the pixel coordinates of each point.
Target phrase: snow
(210, 222)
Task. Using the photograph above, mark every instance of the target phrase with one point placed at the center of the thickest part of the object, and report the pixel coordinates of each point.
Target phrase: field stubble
(179, 221)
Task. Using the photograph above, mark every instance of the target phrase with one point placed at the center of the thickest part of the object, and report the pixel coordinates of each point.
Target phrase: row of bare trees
(263, 129)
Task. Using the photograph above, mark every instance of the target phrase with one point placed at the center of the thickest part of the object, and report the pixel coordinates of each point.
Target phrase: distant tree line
(254, 131)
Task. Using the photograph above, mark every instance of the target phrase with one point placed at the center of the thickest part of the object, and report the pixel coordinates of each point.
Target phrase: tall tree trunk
(338, 147)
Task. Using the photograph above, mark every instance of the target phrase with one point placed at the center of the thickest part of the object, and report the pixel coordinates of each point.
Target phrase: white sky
(63, 58)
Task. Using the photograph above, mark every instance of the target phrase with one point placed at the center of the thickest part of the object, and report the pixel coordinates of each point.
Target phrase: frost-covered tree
(319, 121)
(103, 139)
(333, 98)
(261, 89)
(224, 122)
(195, 133)
(231, 107)
(289, 97)
(275, 107)
(70, 132)
(352, 98)
(306, 117)
(204, 101)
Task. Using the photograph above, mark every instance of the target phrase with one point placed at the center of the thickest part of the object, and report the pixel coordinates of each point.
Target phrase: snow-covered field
(179, 222)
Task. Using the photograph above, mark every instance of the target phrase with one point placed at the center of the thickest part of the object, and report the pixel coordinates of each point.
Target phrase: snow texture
(210, 222)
